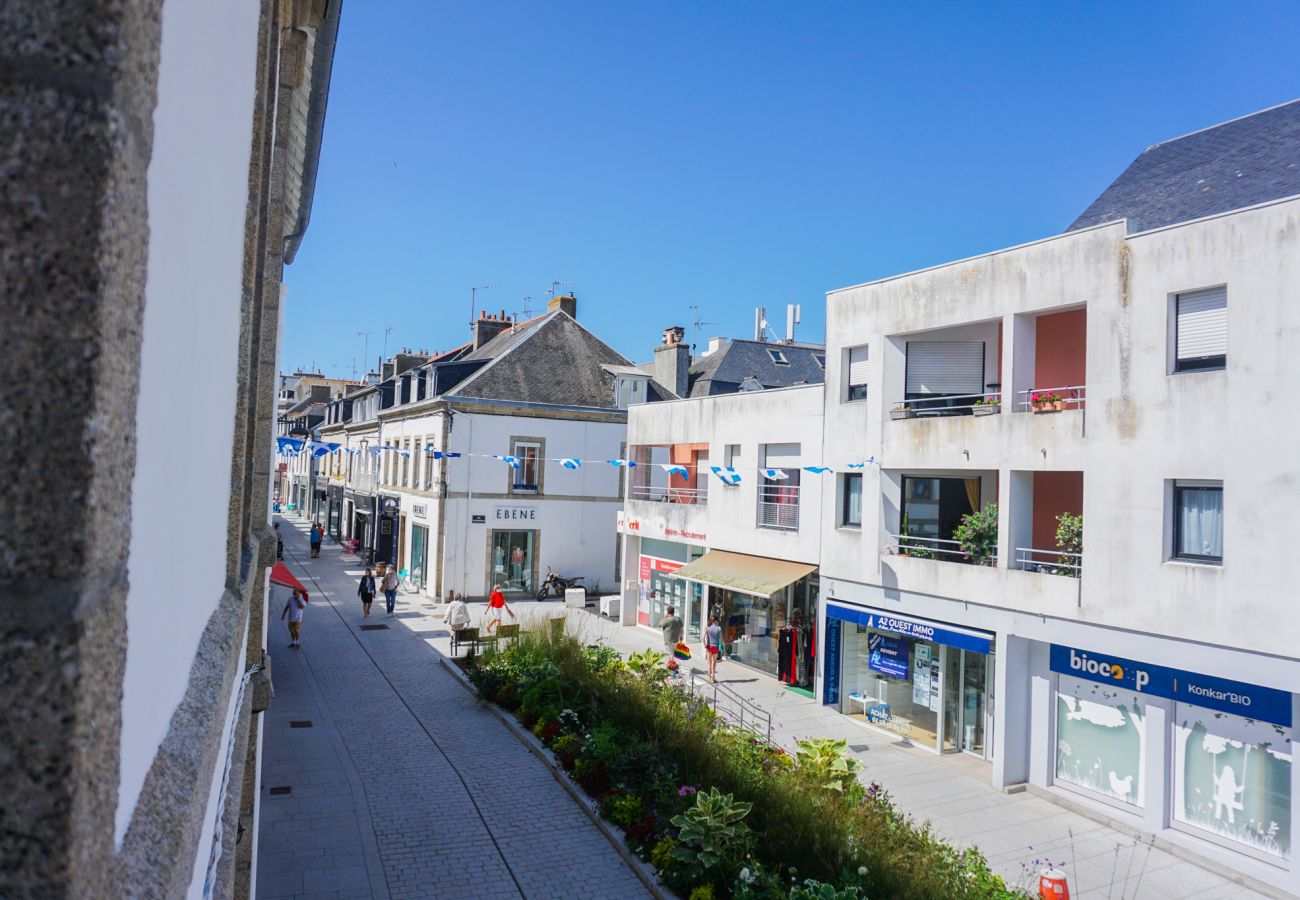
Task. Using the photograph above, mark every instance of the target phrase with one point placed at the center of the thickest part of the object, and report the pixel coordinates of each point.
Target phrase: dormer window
(778, 357)
(630, 389)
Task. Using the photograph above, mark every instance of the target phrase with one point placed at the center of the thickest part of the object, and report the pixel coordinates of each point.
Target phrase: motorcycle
(556, 583)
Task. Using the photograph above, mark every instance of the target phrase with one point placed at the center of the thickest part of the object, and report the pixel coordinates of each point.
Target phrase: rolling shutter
(857, 366)
(781, 456)
(1203, 323)
(945, 367)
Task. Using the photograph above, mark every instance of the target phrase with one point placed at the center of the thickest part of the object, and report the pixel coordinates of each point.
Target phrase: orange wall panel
(1054, 493)
(1060, 349)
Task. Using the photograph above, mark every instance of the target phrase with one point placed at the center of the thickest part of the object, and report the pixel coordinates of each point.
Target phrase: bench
(464, 636)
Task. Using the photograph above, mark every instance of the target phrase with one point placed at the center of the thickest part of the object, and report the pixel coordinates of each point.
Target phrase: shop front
(1226, 747)
(513, 560)
(361, 518)
(767, 609)
(419, 558)
(660, 587)
(927, 682)
(386, 541)
(334, 524)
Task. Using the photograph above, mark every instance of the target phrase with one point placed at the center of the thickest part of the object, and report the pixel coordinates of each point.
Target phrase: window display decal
(1100, 739)
(888, 656)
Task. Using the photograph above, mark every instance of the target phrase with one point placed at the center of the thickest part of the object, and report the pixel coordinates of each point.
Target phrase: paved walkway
(402, 786)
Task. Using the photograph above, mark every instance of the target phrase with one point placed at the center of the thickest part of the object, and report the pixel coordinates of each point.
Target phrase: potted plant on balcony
(1069, 539)
(1046, 401)
(978, 535)
(913, 546)
(900, 411)
(988, 406)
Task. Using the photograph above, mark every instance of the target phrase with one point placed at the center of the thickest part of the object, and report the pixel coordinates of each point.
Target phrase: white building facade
(1150, 677)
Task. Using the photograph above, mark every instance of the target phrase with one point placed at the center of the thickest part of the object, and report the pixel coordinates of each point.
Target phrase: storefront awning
(755, 575)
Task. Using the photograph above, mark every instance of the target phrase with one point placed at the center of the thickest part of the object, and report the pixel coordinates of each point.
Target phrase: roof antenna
(554, 284)
(696, 324)
(473, 300)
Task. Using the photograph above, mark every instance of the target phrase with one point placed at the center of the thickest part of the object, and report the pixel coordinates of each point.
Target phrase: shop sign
(1250, 701)
(479, 519)
(831, 663)
(887, 655)
(420, 510)
(918, 629)
(514, 514)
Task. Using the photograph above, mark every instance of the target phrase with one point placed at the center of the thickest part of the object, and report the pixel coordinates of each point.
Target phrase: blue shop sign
(921, 630)
(888, 656)
(1250, 701)
(831, 664)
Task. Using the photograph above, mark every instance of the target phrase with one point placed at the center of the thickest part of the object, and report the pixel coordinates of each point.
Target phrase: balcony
(363, 482)
(660, 493)
(1046, 523)
(985, 403)
(942, 549)
(778, 506)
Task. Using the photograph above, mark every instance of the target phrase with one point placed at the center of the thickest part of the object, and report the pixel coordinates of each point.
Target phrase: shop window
(526, 478)
(1232, 778)
(1100, 739)
(513, 560)
(1198, 521)
(851, 500)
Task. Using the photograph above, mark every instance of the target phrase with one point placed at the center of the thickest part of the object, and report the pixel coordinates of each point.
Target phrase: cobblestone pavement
(403, 787)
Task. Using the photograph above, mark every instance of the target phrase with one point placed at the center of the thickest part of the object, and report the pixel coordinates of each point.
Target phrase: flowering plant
(1045, 397)
(990, 400)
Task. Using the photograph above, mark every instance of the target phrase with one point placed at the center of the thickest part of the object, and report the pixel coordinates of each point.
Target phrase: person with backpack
(293, 608)
(366, 591)
(391, 583)
(315, 538)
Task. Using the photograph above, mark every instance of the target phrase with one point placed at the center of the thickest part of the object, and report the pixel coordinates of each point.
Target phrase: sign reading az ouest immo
(1251, 701)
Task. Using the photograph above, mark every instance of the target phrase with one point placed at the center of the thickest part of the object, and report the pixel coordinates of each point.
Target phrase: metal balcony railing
(665, 494)
(778, 506)
(1074, 396)
(942, 549)
(1049, 562)
(945, 405)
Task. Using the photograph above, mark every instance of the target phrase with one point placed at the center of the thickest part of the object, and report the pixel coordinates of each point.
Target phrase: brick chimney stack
(487, 327)
(672, 363)
(566, 302)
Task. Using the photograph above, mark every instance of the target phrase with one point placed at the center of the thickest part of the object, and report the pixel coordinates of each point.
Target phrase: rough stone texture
(77, 90)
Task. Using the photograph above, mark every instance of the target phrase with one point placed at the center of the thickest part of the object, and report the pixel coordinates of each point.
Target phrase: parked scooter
(557, 584)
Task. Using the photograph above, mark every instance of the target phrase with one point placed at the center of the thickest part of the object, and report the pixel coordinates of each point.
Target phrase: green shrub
(978, 535)
(823, 763)
(623, 810)
(713, 839)
(811, 889)
(703, 892)
(1069, 539)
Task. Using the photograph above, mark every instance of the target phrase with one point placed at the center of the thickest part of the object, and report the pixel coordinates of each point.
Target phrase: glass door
(419, 554)
(974, 678)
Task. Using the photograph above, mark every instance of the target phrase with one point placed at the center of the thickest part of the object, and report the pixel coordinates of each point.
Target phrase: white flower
(745, 875)
(862, 871)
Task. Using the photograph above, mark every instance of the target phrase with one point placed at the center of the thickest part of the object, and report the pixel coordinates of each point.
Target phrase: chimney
(566, 302)
(715, 344)
(672, 363)
(487, 327)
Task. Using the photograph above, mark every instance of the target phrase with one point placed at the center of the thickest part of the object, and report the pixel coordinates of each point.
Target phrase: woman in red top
(496, 603)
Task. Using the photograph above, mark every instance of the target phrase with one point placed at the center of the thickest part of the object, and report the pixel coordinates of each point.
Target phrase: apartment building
(1137, 372)
(722, 516)
(490, 464)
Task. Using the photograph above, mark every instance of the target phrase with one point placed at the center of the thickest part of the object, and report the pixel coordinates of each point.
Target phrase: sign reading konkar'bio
(1250, 701)
(514, 514)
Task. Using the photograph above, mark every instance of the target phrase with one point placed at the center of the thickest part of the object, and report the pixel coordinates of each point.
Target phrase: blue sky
(660, 155)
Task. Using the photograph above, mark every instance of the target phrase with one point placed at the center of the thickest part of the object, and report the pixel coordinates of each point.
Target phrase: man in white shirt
(293, 608)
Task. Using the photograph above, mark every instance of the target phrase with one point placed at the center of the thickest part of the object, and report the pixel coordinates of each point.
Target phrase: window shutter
(781, 456)
(1203, 323)
(857, 366)
(945, 367)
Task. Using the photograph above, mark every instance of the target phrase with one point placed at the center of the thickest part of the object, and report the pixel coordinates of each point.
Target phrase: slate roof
(550, 360)
(725, 369)
(1240, 163)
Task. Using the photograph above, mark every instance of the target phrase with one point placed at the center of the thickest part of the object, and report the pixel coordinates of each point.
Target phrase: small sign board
(478, 519)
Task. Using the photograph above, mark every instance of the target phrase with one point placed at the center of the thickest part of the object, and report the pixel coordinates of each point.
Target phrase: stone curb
(612, 833)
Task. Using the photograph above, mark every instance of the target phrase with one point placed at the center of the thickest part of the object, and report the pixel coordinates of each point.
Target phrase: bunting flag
(511, 461)
(675, 470)
(774, 474)
(622, 463)
(728, 474)
(817, 470)
(860, 465)
(443, 454)
(288, 446)
(570, 463)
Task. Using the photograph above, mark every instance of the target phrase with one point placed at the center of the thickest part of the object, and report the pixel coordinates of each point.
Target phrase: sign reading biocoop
(514, 514)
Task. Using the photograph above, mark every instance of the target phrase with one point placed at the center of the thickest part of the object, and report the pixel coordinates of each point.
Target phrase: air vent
(280, 791)
(300, 723)
(373, 627)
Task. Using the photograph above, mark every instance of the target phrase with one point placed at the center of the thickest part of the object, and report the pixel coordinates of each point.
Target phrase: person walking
(366, 591)
(279, 543)
(496, 605)
(713, 646)
(293, 608)
(671, 625)
(315, 537)
(391, 583)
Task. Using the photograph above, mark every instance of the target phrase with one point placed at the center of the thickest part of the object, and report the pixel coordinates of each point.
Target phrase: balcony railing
(778, 507)
(1049, 562)
(362, 481)
(947, 405)
(942, 549)
(665, 494)
(1072, 396)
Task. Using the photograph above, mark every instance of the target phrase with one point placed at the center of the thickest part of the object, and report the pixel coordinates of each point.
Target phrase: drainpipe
(322, 66)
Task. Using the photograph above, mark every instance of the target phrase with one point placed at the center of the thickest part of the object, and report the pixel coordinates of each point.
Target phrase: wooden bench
(464, 636)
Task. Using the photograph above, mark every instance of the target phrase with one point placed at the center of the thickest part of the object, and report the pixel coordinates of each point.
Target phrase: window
(417, 462)
(778, 357)
(778, 487)
(512, 560)
(1201, 330)
(1198, 521)
(1100, 733)
(932, 510)
(526, 478)
(406, 462)
(851, 500)
(857, 368)
(731, 455)
(820, 359)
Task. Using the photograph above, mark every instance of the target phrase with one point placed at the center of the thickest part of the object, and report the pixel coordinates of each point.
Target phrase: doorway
(967, 713)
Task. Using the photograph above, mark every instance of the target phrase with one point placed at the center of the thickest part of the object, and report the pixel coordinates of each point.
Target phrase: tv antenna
(696, 324)
(473, 299)
(366, 335)
(527, 311)
(388, 329)
(554, 284)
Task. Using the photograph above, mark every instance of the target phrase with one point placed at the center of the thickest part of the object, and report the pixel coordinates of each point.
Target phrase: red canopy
(280, 574)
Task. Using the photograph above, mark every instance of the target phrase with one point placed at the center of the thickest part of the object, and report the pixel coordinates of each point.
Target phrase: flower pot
(900, 414)
(987, 409)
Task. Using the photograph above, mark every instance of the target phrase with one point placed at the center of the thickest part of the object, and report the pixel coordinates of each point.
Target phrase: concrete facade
(147, 212)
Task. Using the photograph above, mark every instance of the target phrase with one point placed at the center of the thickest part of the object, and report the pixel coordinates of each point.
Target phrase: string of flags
(286, 446)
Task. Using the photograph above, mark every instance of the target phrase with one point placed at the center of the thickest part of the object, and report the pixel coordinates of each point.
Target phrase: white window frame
(517, 476)
(849, 365)
(1208, 363)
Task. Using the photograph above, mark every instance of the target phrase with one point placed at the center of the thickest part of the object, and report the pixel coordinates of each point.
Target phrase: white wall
(198, 191)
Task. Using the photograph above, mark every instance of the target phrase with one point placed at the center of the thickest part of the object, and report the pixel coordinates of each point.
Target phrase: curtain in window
(853, 500)
(1200, 524)
(973, 493)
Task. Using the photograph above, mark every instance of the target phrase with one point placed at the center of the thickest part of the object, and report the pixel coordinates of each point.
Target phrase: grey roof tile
(1240, 163)
(725, 369)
